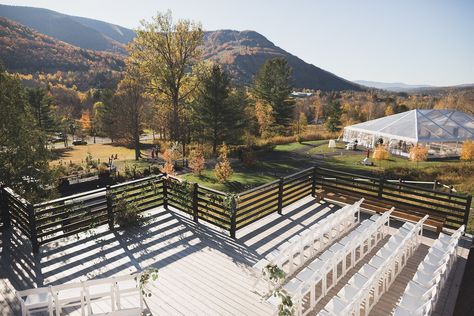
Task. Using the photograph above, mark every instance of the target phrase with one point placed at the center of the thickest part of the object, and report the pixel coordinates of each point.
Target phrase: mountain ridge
(240, 52)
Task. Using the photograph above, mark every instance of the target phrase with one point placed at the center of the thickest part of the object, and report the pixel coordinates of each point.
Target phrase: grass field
(78, 154)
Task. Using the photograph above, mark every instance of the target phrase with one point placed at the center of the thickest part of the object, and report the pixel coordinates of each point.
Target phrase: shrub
(127, 215)
(168, 156)
(381, 153)
(248, 157)
(467, 151)
(197, 162)
(418, 153)
(223, 169)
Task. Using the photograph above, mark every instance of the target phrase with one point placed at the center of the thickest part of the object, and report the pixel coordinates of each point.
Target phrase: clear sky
(410, 41)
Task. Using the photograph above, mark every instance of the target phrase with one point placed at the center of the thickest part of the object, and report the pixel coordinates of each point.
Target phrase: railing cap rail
(263, 186)
(69, 197)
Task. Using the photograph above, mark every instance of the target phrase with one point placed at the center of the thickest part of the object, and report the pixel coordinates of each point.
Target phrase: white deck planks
(201, 270)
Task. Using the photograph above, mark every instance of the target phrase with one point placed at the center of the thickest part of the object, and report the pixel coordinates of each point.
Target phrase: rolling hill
(240, 52)
(27, 51)
(81, 32)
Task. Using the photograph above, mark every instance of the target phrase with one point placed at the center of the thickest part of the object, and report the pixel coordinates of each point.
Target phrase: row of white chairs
(55, 300)
(295, 252)
(422, 292)
(313, 283)
(365, 288)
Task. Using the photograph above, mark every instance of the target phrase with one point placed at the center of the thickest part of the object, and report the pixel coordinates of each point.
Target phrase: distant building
(442, 131)
(296, 94)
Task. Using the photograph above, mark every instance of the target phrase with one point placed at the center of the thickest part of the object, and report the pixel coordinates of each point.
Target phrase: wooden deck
(201, 270)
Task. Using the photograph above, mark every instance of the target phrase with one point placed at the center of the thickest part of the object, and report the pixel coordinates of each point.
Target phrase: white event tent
(442, 131)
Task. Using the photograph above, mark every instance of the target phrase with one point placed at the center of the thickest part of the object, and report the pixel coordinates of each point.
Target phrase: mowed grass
(78, 154)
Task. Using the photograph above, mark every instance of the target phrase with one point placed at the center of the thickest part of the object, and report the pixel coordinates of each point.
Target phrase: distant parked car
(79, 142)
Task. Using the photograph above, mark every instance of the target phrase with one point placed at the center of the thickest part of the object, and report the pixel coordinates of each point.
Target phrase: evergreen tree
(40, 103)
(23, 154)
(217, 112)
(334, 119)
(273, 85)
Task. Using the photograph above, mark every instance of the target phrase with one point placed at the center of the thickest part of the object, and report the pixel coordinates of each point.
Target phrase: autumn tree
(317, 106)
(223, 169)
(273, 86)
(169, 156)
(197, 162)
(131, 103)
(418, 153)
(164, 52)
(467, 151)
(217, 117)
(265, 119)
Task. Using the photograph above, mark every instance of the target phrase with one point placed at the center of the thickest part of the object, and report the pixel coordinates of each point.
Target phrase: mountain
(393, 86)
(81, 32)
(241, 53)
(27, 51)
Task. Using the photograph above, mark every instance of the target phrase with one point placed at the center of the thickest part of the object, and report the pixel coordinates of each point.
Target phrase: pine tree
(334, 119)
(273, 85)
(40, 103)
(23, 154)
(217, 112)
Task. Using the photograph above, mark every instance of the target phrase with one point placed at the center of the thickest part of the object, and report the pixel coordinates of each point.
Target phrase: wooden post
(435, 184)
(233, 213)
(466, 212)
(110, 207)
(195, 202)
(33, 230)
(165, 189)
(313, 184)
(4, 206)
(280, 196)
(381, 187)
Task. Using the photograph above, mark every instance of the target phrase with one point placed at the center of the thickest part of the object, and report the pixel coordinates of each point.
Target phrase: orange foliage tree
(467, 151)
(418, 153)
(223, 169)
(197, 161)
(381, 153)
(169, 155)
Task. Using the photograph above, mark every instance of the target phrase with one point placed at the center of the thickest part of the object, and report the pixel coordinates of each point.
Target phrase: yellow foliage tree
(381, 153)
(197, 161)
(169, 155)
(389, 111)
(265, 119)
(223, 169)
(467, 151)
(418, 153)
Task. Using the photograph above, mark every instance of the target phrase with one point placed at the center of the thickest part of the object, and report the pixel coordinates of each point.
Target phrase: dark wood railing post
(380, 194)
(195, 201)
(5, 208)
(233, 216)
(313, 182)
(110, 207)
(165, 190)
(280, 196)
(33, 229)
(435, 184)
(466, 212)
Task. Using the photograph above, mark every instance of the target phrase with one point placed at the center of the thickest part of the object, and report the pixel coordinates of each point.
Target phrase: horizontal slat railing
(453, 208)
(51, 220)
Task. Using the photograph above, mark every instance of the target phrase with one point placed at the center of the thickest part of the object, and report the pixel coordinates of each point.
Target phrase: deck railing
(51, 220)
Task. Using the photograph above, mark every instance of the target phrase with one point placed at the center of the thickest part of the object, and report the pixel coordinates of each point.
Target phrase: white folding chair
(99, 290)
(68, 295)
(125, 286)
(36, 300)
